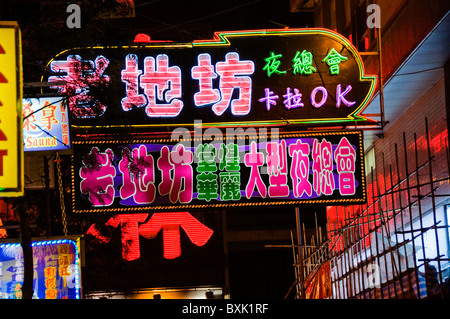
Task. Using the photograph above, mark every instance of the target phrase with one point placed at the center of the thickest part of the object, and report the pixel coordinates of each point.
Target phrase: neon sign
(234, 79)
(56, 270)
(45, 124)
(293, 169)
(135, 225)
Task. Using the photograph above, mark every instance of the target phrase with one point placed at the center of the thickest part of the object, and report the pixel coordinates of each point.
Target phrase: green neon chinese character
(303, 63)
(333, 59)
(207, 186)
(272, 64)
(230, 186)
(205, 154)
(229, 157)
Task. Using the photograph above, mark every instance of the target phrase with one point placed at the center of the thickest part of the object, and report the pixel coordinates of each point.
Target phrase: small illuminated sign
(56, 269)
(11, 157)
(244, 78)
(45, 124)
(162, 174)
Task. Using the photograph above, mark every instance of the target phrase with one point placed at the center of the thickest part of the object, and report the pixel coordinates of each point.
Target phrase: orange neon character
(29, 117)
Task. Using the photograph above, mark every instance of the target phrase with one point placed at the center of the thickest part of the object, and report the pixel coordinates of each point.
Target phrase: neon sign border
(222, 38)
(180, 207)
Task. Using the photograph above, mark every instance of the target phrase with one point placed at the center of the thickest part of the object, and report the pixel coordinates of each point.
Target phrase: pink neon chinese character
(204, 73)
(130, 76)
(345, 157)
(48, 115)
(65, 133)
(323, 180)
(300, 168)
(231, 77)
(179, 161)
(98, 177)
(170, 224)
(254, 159)
(138, 175)
(80, 77)
(163, 83)
(277, 169)
(130, 235)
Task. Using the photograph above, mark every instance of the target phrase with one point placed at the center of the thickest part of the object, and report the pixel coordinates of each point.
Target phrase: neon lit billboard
(170, 246)
(56, 269)
(165, 174)
(45, 124)
(245, 78)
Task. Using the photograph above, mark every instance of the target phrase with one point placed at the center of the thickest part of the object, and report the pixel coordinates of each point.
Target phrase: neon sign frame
(223, 40)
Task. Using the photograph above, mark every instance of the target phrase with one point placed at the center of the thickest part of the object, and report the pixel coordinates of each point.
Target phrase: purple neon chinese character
(231, 73)
(130, 76)
(300, 168)
(177, 162)
(253, 160)
(345, 157)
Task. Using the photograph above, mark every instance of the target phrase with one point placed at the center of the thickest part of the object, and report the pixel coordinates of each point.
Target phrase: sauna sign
(302, 168)
(243, 78)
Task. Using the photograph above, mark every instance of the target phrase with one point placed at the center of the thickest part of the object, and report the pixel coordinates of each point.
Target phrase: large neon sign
(292, 169)
(247, 78)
